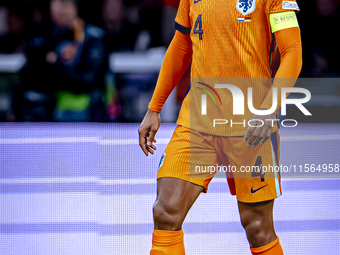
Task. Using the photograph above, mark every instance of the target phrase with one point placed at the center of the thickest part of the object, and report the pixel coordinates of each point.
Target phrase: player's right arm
(175, 63)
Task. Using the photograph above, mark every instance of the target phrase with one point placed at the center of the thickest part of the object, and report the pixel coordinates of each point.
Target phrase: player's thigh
(189, 156)
(256, 177)
(178, 184)
(174, 200)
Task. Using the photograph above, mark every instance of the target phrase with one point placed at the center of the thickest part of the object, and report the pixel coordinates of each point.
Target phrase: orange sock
(167, 242)
(273, 248)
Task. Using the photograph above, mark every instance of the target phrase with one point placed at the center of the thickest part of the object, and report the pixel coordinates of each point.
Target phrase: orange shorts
(252, 172)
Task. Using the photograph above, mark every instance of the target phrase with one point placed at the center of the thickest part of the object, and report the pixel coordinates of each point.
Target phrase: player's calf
(257, 220)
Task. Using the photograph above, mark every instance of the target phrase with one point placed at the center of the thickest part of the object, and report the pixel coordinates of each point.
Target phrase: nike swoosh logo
(253, 191)
(196, 1)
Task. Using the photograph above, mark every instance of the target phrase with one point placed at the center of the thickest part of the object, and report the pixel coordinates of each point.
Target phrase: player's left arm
(289, 44)
(290, 48)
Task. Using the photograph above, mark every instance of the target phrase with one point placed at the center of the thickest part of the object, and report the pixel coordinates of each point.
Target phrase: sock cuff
(166, 237)
(266, 247)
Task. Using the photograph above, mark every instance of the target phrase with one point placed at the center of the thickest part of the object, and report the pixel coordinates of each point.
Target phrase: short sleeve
(182, 21)
(283, 6)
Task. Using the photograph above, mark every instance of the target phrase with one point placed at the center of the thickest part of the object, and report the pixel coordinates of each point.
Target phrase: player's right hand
(147, 132)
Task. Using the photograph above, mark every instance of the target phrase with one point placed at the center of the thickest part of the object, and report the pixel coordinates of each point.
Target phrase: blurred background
(86, 60)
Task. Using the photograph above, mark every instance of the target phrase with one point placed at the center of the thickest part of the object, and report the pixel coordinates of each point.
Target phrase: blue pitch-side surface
(80, 188)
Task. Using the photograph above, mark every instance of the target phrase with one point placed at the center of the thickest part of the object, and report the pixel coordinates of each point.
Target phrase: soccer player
(223, 39)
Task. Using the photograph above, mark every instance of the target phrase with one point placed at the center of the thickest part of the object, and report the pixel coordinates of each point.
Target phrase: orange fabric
(276, 6)
(193, 156)
(175, 63)
(273, 248)
(183, 86)
(289, 44)
(228, 48)
(223, 47)
(167, 242)
(79, 31)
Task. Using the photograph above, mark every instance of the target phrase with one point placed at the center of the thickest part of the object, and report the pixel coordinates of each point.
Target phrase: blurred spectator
(64, 75)
(121, 25)
(33, 99)
(132, 25)
(14, 17)
(151, 24)
(80, 65)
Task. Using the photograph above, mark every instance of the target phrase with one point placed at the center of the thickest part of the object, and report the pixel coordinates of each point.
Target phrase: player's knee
(258, 232)
(252, 227)
(167, 216)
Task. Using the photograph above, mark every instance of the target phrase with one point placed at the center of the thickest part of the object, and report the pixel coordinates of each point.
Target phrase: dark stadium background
(136, 36)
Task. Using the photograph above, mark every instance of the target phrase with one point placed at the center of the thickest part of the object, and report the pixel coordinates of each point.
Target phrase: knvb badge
(245, 7)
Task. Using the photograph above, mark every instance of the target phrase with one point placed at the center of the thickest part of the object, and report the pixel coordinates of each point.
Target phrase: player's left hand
(259, 131)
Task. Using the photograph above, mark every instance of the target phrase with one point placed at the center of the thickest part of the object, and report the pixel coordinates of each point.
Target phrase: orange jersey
(226, 43)
(230, 39)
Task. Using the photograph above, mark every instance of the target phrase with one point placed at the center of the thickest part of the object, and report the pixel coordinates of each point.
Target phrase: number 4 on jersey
(198, 24)
(258, 170)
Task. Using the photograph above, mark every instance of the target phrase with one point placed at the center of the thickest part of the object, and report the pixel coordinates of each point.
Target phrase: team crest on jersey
(245, 6)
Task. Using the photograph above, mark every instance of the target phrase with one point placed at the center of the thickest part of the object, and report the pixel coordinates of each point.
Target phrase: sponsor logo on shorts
(256, 190)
